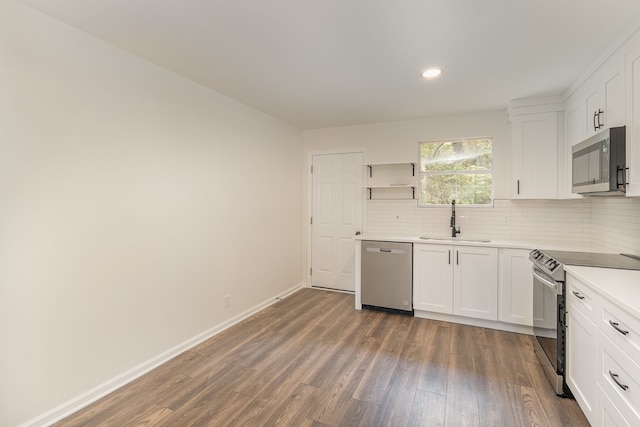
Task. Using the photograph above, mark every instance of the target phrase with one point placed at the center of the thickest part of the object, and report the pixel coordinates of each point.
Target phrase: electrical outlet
(226, 301)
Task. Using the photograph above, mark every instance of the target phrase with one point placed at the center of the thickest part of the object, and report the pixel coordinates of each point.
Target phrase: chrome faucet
(454, 230)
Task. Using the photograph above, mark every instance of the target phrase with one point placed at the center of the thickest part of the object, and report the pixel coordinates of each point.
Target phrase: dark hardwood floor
(312, 360)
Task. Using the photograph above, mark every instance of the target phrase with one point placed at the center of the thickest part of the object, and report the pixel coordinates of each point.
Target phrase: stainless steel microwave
(598, 166)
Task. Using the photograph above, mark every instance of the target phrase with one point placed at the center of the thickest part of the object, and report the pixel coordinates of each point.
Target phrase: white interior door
(336, 217)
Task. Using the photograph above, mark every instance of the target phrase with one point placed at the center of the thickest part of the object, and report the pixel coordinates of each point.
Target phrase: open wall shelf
(391, 181)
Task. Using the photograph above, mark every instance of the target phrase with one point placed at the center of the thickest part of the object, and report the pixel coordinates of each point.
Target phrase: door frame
(309, 212)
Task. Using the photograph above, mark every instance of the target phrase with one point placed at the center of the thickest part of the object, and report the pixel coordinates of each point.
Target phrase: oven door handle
(545, 281)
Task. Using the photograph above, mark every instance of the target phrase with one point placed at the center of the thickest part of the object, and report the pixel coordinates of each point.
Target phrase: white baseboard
(490, 324)
(73, 405)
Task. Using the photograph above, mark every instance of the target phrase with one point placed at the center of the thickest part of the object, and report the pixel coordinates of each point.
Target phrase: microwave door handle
(620, 183)
(625, 176)
(549, 283)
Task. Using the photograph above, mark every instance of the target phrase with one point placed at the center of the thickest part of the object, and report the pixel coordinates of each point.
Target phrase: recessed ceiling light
(432, 73)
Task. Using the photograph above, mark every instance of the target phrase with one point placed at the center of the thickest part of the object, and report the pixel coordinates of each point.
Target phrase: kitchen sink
(455, 239)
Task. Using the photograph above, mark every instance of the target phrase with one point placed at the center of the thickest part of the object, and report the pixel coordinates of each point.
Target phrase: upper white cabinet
(633, 118)
(598, 103)
(576, 131)
(605, 98)
(609, 97)
(535, 128)
(575, 119)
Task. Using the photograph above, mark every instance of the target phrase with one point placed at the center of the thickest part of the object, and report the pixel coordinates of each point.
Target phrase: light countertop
(620, 286)
(473, 241)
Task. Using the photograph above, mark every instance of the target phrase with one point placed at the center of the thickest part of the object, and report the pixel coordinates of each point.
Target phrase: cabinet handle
(457, 257)
(600, 113)
(581, 297)
(614, 377)
(616, 326)
(518, 186)
(449, 256)
(595, 115)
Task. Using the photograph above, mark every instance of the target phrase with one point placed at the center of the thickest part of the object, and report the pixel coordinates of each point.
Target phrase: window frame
(456, 172)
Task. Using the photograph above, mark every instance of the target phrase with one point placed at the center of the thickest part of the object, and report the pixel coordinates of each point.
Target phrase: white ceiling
(325, 63)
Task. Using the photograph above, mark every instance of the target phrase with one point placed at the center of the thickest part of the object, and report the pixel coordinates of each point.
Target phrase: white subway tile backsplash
(607, 224)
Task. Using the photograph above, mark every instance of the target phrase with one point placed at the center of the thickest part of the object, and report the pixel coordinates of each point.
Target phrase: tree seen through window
(460, 170)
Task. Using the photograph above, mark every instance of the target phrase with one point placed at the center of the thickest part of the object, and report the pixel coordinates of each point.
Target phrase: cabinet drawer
(619, 377)
(621, 328)
(583, 298)
(609, 415)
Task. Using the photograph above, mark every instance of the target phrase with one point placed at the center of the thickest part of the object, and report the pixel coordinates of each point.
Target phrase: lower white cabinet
(581, 360)
(475, 282)
(516, 289)
(432, 278)
(461, 280)
(619, 379)
(602, 353)
(609, 415)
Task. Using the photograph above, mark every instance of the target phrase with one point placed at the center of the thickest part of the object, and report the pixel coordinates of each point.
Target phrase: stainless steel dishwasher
(387, 276)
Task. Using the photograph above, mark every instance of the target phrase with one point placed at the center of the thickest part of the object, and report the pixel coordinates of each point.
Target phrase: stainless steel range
(549, 304)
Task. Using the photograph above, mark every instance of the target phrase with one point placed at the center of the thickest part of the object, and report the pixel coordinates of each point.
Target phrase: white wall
(597, 224)
(398, 142)
(615, 224)
(131, 201)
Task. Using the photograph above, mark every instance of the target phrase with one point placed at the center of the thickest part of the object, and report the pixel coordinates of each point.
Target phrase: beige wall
(131, 201)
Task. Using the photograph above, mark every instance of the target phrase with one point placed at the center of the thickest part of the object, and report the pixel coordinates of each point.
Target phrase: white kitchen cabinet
(460, 280)
(576, 131)
(581, 360)
(515, 287)
(619, 380)
(576, 119)
(584, 309)
(633, 120)
(581, 345)
(475, 282)
(534, 156)
(536, 127)
(605, 97)
(598, 103)
(433, 278)
(609, 415)
(618, 355)
(603, 345)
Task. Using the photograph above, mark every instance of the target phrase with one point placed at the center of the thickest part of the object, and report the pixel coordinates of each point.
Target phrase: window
(460, 170)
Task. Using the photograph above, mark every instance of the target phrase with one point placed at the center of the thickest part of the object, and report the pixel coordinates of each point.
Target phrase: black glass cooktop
(590, 259)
